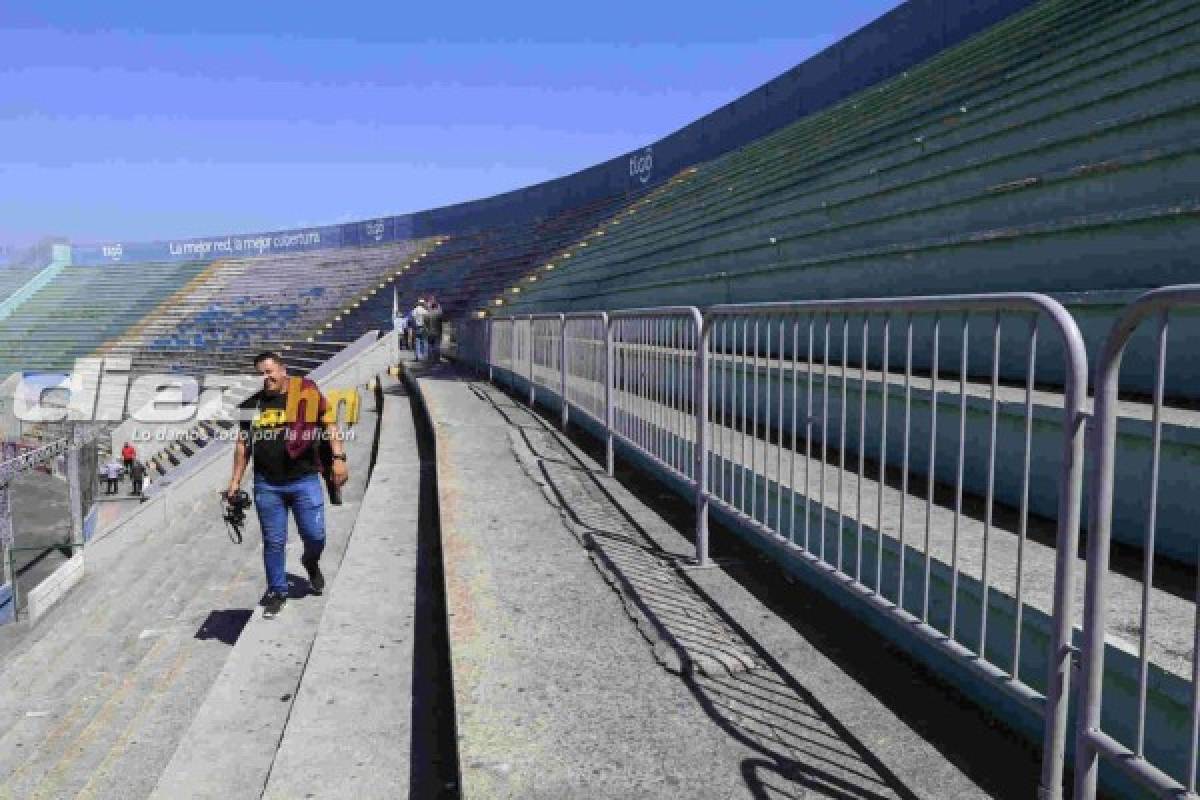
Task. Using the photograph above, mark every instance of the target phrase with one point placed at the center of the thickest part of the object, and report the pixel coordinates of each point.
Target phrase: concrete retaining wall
(54, 587)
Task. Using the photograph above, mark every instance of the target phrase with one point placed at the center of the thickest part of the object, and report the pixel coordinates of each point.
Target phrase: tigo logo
(641, 165)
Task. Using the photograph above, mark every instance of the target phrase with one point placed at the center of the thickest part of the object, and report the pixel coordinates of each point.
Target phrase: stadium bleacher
(472, 267)
(241, 306)
(1064, 137)
(1053, 152)
(13, 278)
(81, 307)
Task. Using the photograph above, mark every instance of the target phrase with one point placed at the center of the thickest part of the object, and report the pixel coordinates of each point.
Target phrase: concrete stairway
(95, 699)
(353, 713)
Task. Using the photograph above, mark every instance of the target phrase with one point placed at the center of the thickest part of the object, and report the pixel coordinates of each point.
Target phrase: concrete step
(232, 738)
(353, 711)
(125, 637)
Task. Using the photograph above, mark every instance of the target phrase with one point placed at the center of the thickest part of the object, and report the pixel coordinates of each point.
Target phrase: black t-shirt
(265, 430)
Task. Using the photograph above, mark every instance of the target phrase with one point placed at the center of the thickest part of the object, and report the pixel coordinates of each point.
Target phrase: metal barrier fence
(585, 357)
(1172, 770)
(750, 405)
(59, 524)
(802, 396)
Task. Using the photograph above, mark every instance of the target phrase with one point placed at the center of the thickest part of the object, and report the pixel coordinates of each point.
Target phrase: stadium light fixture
(498, 301)
(515, 290)
(338, 318)
(328, 325)
(309, 339)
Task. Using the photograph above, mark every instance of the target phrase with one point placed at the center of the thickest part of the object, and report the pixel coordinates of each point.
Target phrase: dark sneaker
(316, 580)
(273, 603)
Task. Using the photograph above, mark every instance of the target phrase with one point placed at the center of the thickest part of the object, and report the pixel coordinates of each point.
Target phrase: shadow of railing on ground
(802, 749)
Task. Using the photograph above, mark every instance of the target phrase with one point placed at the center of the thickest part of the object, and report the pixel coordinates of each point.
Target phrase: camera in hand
(233, 511)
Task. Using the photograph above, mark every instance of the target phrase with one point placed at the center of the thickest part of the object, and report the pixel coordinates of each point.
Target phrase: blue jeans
(306, 500)
(422, 346)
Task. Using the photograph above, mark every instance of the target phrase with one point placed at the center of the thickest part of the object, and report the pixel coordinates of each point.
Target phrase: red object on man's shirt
(305, 429)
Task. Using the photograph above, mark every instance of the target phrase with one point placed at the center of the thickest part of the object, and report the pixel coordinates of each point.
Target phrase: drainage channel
(434, 766)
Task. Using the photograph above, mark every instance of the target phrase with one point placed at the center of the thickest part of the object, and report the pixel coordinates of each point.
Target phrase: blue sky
(130, 121)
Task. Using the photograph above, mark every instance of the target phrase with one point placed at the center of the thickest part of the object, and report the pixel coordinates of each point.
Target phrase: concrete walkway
(349, 734)
(567, 688)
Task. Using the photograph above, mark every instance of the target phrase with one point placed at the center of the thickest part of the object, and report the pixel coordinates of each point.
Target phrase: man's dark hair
(269, 355)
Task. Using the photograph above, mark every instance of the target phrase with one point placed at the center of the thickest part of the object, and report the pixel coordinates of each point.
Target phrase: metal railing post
(562, 370)
(1091, 741)
(75, 491)
(532, 385)
(487, 352)
(13, 580)
(512, 351)
(1058, 678)
(700, 397)
(609, 389)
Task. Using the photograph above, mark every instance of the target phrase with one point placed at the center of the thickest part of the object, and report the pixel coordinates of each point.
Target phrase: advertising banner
(383, 230)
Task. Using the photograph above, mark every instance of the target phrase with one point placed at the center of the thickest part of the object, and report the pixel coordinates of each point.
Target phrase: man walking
(137, 473)
(287, 421)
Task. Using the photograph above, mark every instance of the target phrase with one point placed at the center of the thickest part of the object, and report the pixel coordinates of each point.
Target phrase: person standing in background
(137, 473)
(128, 456)
(419, 316)
(112, 474)
(433, 329)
